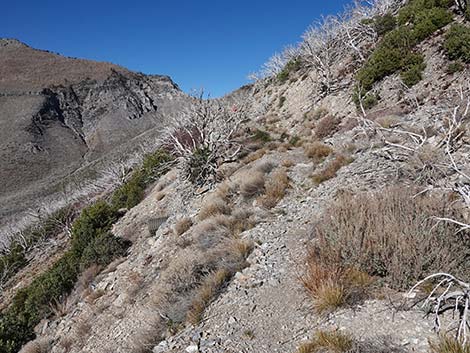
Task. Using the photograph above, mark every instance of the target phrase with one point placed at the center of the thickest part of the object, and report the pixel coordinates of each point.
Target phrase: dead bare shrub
(326, 126)
(60, 308)
(392, 235)
(275, 188)
(426, 165)
(252, 183)
(183, 225)
(317, 151)
(332, 167)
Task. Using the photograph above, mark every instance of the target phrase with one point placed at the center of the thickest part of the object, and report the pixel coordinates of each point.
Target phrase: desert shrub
(317, 151)
(457, 43)
(332, 167)
(412, 70)
(417, 21)
(392, 235)
(103, 249)
(262, 136)
(293, 65)
(326, 126)
(384, 24)
(294, 140)
(454, 67)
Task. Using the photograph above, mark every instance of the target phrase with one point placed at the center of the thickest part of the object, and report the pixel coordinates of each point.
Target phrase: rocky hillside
(295, 215)
(59, 115)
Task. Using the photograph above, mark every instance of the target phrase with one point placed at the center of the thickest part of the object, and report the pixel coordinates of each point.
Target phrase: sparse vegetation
(326, 126)
(454, 67)
(328, 341)
(378, 233)
(275, 188)
(252, 183)
(447, 344)
(183, 225)
(260, 135)
(332, 167)
(317, 151)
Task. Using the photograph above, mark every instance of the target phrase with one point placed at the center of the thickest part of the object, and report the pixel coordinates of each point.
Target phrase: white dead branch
(450, 293)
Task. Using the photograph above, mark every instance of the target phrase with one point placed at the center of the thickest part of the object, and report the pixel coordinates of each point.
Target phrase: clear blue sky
(200, 43)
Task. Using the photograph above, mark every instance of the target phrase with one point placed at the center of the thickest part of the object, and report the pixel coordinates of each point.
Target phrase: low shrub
(260, 135)
(330, 170)
(328, 341)
(454, 67)
(213, 206)
(326, 126)
(183, 225)
(317, 151)
(291, 67)
(392, 235)
(252, 183)
(457, 43)
(384, 24)
(275, 188)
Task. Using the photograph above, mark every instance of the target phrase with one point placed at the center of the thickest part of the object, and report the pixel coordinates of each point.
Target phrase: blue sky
(201, 44)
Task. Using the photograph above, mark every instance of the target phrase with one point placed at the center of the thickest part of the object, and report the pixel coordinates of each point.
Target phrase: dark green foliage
(200, 165)
(369, 100)
(292, 66)
(394, 53)
(294, 140)
(261, 135)
(457, 43)
(102, 250)
(412, 70)
(429, 21)
(132, 192)
(454, 67)
(384, 24)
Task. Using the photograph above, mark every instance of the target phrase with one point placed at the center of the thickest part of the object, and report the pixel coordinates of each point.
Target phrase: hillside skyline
(213, 47)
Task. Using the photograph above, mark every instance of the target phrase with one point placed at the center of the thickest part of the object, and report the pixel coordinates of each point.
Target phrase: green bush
(102, 250)
(414, 9)
(292, 66)
(454, 67)
(261, 135)
(457, 43)
(412, 71)
(384, 24)
(199, 166)
(429, 21)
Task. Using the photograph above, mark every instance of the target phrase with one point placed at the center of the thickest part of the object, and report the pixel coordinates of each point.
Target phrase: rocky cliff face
(59, 114)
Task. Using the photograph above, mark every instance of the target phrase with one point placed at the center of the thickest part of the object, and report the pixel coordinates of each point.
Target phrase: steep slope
(59, 114)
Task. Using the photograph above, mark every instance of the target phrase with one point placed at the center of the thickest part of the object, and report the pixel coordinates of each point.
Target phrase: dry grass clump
(265, 166)
(275, 188)
(316, 114)
(447, 344)
(252, 183)
(92, 296)
(213, 205)
(392, 235)
(254, 156)
(332, 167)
(66, 343)
(87, 277)
(326, 126)
(183, 225)
(40, 345)
(332, 285)
(205, 293)
(317, 151)
(60, 308)
(328, 341)
(387, 121)
(288, 163)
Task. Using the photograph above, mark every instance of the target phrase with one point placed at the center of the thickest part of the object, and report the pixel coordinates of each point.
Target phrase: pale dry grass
(275, 188)
(333, 166)
(254, 156)
(448, 344)
(287, 163)
(212, 206)
(252, 183)
(326, 126)
(328, 341)
(317, 151)
(87, 277)
(182, 225)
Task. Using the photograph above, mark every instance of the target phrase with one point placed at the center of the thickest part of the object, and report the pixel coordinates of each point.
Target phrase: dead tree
(203, 138)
